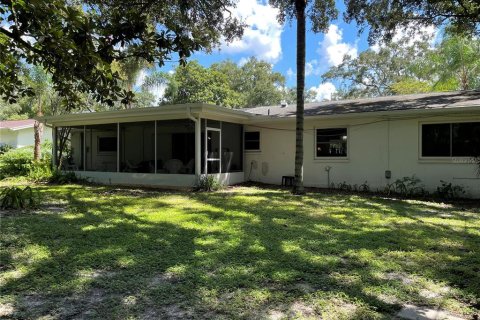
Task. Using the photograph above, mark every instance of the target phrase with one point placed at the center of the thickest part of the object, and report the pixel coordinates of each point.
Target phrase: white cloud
(242, 61)
(333, 50)
(290, 73)
(312, 67)
(262, 36)
(324, 91)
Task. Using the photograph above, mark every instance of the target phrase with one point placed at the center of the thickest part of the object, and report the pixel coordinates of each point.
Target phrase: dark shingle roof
(424, 101)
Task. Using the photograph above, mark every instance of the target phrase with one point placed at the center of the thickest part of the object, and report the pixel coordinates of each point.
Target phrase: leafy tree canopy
(402, 67)
(224, 83)
(385, 17)
(77, 41)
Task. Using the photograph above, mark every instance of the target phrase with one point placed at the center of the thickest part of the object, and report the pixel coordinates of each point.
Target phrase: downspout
(198, 143)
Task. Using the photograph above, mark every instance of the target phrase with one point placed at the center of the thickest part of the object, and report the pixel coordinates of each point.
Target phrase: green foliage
(208, 183)
(64, 177)
(4, 148)
(18, 198)
(40, 171)
(223, 83)
(404, 67)
(408, 86)
(406, 187)
(78, 41)
(385, 18)
(252, 249)
(449, 191)
(19, 162)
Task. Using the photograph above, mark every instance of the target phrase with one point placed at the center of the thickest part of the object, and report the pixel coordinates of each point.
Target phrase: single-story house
(19, 133)
(432, 136)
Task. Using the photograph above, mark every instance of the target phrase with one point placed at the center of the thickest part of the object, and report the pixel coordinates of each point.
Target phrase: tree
(455, 63)
(390, 68)
(385, 17)
(401, 67)
(255, 80)
(320, 14)
(77, 41)
(193, 83)
(223, 83)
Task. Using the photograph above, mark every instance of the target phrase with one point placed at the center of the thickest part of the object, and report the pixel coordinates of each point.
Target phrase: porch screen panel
(137, 147)
(176, 147)
(232, 145)
(101, 147)
(69, 147)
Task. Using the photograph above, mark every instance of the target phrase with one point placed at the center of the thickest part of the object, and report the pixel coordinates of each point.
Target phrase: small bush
(447, 190)
(4, 148)
(40, 171)
(409, 186)
(18, 198)
(364, 187)
(344, 186)
(208, 183)
(62, 177)
(18, 162)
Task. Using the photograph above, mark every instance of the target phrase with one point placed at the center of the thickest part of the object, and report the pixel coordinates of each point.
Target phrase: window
(331, 142)
(451, 139)
(107, 144)
(252, 140)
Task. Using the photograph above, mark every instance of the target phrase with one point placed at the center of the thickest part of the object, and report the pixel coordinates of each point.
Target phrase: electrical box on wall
(388, 174)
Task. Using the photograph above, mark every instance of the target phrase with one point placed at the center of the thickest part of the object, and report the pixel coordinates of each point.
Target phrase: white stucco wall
(23, 137)
(374, 145)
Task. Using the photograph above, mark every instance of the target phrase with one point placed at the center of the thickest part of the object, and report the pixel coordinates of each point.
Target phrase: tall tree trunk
(300, 6)
(38, 133)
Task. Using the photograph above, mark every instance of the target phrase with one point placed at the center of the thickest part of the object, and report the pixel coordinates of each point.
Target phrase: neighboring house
(432, 136)
(19, 133)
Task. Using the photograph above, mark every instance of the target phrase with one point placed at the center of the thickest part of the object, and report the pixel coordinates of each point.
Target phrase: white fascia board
(167, 112)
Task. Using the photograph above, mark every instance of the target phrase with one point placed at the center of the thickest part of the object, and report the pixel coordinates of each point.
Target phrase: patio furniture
(173, 165)
(288, 180)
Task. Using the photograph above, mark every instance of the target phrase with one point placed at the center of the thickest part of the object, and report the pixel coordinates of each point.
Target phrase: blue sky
(270, 41)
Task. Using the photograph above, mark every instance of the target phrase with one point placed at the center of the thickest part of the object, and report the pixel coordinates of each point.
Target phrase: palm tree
(41, 85)
(320, 14)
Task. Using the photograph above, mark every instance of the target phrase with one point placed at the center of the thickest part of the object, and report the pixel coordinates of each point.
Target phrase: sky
(267, 40)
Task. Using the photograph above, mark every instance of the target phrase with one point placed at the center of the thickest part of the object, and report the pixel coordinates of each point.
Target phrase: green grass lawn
(245, 252)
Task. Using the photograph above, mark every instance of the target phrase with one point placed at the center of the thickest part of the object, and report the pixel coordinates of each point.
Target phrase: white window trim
(259, 142)
(331, 159)
(443, 159)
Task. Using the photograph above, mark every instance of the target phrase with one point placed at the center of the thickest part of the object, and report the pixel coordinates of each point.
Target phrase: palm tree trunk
(38, 133)
(300, 6)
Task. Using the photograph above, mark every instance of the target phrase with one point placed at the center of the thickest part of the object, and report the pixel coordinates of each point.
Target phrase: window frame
(99, 152)
(331, 159)
(449, 159)
(259, 141)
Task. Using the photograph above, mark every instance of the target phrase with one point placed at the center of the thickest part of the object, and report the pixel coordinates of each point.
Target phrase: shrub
(4, 148)
(344, 186)
(62, 177)
(208, 183)
(409, 186)
(40, 171)
(18, 198)
(19, 162)
(364, 187)
(448, 191)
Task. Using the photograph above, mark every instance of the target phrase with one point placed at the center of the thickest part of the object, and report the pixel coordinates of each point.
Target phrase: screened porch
(180, 147)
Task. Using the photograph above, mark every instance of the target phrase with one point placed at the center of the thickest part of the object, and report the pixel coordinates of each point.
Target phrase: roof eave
(383, 114)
